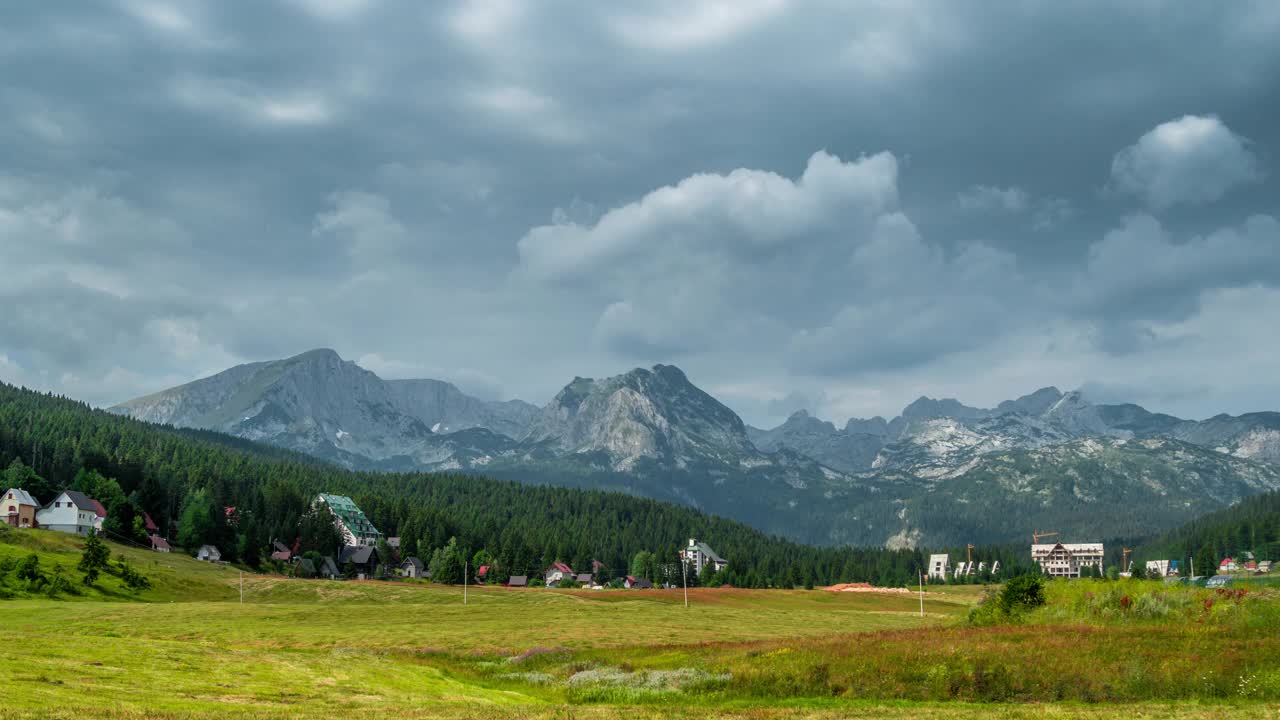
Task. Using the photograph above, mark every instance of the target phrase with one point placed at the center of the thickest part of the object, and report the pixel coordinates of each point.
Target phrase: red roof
(484, 570)
(98, 509)
(561, 567)
(151, 524)
(281, 555)
(159, 543)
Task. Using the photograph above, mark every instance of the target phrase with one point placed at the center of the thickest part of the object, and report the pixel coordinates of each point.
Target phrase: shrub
(1022, 593)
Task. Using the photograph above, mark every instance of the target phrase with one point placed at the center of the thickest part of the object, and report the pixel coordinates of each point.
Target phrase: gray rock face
(643, 415)
(320, 404)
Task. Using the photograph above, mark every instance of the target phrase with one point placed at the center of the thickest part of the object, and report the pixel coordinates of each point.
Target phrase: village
(366, 554)
(359, 557)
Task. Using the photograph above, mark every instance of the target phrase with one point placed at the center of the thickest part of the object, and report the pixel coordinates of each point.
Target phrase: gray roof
(279, 546)
(327, 566)
(22, 496)
(308, 567)
(584, 578)
(415, 562)
(81, 500)
(706, 550)
(358, 554)
(518, 580)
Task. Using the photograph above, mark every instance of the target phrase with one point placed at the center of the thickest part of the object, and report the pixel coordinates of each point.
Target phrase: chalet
(1228, 565)
(363, 557)
(1067, 560)
(208, 553)
(350, 520)
(635, 583)
(328, 568)
(413, 568)
(1251, 565)
(518, 581)
(1264, 566)
(700, 555)
(70, 512)
(939, 565)
(1162, 568)
(280, 551)
(557, 572)
(19, 508)
(159, 544)
(583, 578)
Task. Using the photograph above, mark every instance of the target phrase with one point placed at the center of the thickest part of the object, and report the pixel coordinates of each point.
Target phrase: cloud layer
(848, 204)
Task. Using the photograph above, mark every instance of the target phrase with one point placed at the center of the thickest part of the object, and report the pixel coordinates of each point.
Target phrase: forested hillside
(185, 480)
(1252, 525)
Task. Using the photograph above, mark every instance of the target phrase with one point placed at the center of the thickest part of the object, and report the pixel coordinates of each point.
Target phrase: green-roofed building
(350, 519)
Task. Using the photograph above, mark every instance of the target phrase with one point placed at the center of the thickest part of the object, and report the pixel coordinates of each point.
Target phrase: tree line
(207, 488)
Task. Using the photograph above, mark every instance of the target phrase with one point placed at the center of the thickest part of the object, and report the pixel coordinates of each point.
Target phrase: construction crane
(1124, 558)
(1035, 536)
(969, 554)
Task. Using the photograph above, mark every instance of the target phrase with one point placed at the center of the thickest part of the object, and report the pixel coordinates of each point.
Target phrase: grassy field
(187, 648)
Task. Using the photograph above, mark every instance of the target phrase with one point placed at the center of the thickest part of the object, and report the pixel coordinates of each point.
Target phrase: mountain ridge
(652, 432)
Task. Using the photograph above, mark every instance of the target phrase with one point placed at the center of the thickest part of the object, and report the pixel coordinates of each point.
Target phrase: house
(1251, 565)
(1228, 565)
(482, 573)
(159, 544)
(280, 551)
(19, 508)
(70, 512)
(100, 514)
(413, 568)
(966, 569)
(518, 581)
(1264, 566)
(363, 557)
(700, 555)
(939, 565)
(1161, 568)
(634, 583)
(306, 568)
(329, 569)
(232, 516)
(557, 572)
(1067, 560)
(208, 553)
(583, 578)
(152, 527)
(350, 520)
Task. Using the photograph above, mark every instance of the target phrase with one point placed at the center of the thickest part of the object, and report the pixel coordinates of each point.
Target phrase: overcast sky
(832, 205)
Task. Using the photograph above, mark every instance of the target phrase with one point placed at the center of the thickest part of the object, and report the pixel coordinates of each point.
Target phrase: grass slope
(189, 649)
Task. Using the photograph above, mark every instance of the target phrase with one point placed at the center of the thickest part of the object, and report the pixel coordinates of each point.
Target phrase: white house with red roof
(557, 572)
(1228, 565)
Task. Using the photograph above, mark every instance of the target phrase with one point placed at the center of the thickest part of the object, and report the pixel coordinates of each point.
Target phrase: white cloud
(364, 223)
(252, 104)
(1192, 160)
(689, 24)
(335, 10)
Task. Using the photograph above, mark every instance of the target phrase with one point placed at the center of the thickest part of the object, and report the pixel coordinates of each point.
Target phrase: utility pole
(684, 576)
(922, 593)
(465, 570)
(241, 587)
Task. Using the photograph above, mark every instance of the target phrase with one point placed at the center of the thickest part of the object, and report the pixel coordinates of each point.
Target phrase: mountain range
(940, 473)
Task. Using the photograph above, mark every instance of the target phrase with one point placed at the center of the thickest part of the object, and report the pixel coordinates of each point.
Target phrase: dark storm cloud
(511, 193)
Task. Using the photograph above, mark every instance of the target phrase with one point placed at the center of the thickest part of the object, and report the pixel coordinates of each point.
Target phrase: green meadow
(189, 648)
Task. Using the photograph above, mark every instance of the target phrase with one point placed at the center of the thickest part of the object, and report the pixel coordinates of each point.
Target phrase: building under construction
(1067, 559)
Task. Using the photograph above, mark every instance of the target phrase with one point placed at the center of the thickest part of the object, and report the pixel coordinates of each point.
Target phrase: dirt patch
(866, 587)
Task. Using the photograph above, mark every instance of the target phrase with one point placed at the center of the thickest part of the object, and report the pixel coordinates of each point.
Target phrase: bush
(1022, 593)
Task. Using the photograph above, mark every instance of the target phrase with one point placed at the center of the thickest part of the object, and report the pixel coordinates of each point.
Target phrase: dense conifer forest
(1250, 526)
(185, 480)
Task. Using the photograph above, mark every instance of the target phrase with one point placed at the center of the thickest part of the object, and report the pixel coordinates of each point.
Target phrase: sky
(835, 206)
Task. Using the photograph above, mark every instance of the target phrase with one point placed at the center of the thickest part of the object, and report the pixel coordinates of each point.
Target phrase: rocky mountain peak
(926, 407)
(1035, 403)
